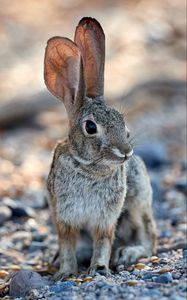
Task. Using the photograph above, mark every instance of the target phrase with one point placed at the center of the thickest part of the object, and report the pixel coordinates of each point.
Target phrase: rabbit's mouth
(122, 156)
(114, 157)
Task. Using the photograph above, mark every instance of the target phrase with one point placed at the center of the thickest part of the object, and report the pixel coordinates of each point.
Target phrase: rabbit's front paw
(62, 275)
(97, 268)
(129, 255)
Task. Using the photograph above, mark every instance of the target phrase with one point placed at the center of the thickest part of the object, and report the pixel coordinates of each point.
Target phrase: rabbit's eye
(91, 127)
(128, 134)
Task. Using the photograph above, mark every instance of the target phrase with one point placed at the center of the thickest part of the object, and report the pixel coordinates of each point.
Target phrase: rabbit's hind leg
(141, 240)
(137, 228)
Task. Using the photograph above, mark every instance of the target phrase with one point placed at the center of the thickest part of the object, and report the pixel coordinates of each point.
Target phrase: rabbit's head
(74, 73)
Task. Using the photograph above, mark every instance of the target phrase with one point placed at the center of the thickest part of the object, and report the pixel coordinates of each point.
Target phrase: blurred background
(145, 77)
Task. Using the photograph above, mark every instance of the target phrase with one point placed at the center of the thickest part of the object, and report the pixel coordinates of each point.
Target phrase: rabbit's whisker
(98, 159)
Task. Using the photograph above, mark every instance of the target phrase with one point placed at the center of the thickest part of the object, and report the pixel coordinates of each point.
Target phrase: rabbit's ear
(63, 73)
(90, 39)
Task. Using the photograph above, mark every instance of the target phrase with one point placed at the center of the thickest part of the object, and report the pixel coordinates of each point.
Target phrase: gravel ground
(27, 239)
(155, 52)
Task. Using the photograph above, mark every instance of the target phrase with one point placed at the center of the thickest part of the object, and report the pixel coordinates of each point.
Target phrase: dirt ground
(146, 79)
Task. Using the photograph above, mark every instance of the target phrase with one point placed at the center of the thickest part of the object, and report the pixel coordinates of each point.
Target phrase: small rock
(3, 274)
(23, 282)
(135, 272)
(18, 208)
(149, 276)
(21, 236)
(38, 237)
(100, 283)
(139, 266)
(125, 275)
(88, 279)
(164, 261)
(176, 275)
(14, 267)
(158, 33)
(165, 270)
(37, 246)
(78, 280)
(62, 286)
(33, 294)
(164, 278)
(5, 214)
(184, 289)
(181, 185)
(165, 233)
(120, 268)
(132, 282)
(177, 297)
(154, 259)
(174, 220)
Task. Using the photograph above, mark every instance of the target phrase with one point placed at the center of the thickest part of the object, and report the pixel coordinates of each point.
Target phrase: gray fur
(93, 196)
(94, 184)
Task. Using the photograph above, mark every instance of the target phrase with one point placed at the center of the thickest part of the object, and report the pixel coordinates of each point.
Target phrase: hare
(94, 181)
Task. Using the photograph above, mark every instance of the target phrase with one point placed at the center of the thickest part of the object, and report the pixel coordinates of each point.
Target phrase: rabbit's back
(60, 148)
(82, 200)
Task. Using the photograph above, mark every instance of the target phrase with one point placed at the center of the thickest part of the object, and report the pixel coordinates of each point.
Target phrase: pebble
(62, 286)
(136, 272)
(23, 282)
(176, 275)
(147, 277)
(14, 268)
(132, 282)
(34, 294)
(21, 236)
(139, 266)
(5, 214)
(120, 268)
(37, 246)
(165, 270)
(125, 275)
(3, 274)
(154, 259)
(100, 283)
(181, 185)
(18, 208)
(164, 278)
(176, 297)
(165, 233)
(88, 279)
(38, 237)
(153, 291)
(164, 261)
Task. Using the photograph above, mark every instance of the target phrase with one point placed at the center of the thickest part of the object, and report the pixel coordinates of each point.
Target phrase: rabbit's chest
(83, 201)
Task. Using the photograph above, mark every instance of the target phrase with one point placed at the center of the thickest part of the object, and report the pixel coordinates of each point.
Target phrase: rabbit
(95, 181)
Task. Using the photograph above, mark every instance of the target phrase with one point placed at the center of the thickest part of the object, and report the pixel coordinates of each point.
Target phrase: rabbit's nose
(126, 149)
(130, 153)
